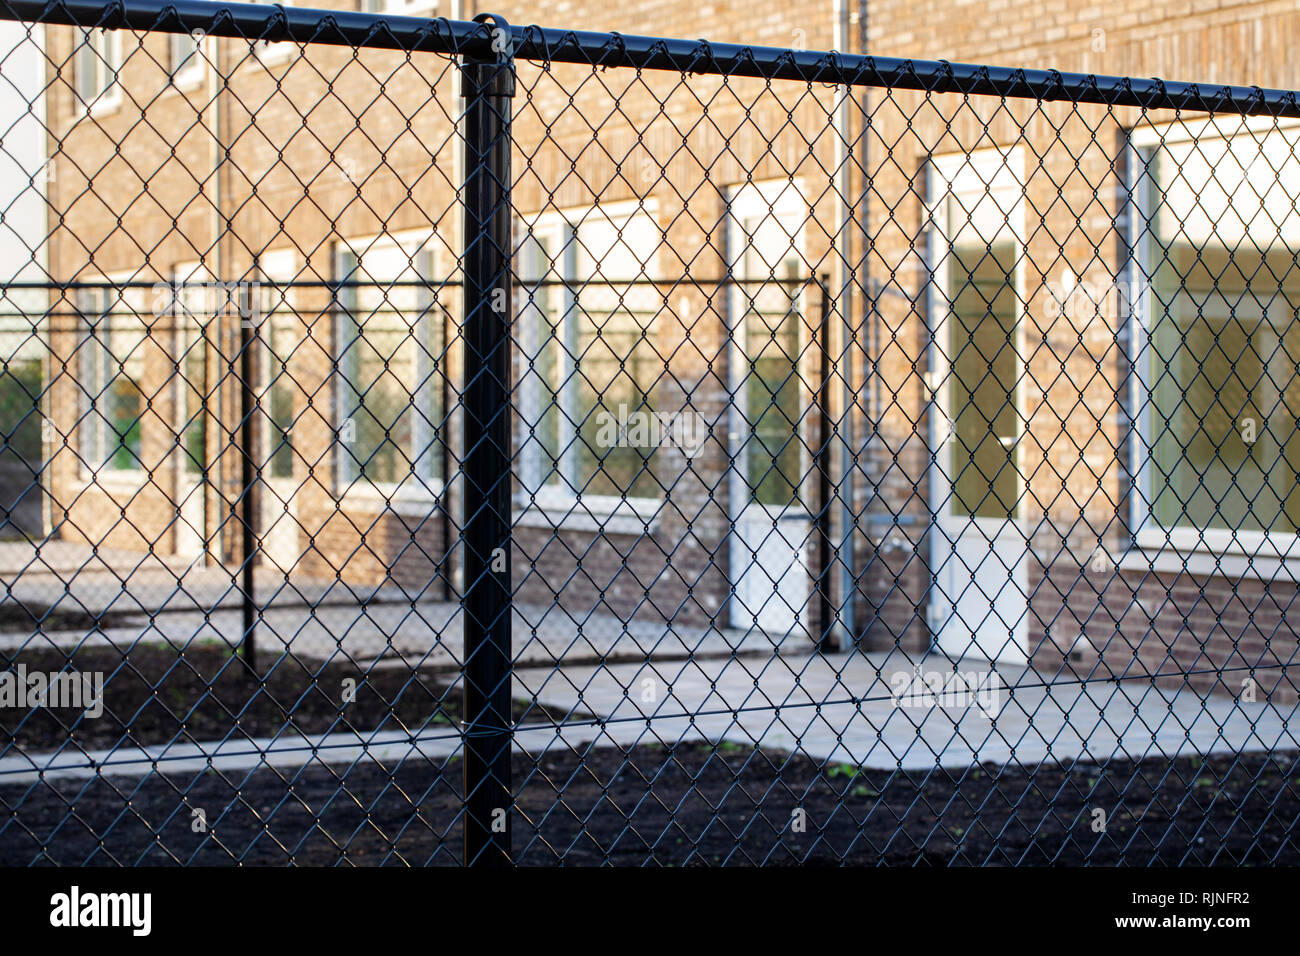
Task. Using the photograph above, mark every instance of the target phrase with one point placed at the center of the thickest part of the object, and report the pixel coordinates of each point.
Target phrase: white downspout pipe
(218, 273)
(844, 300)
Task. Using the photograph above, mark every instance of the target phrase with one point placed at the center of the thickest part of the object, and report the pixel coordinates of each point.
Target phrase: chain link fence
(431, 441)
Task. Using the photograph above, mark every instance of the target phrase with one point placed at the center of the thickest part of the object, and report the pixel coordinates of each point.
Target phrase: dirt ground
(688, 805)
(652, 804)
(208, 693)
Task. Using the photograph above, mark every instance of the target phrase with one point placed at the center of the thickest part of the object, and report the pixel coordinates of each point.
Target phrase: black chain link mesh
(899, 460)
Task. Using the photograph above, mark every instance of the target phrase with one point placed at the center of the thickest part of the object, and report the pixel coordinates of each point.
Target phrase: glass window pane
(982, 390)
(182, 48)
(283, 346)
(383, 419)
(432, 302)
(616, 375)
(1224, 340)
(772, 383)
(90, 66)
(1225, 356)
(395, 365)
(616, 365)
(112, 369)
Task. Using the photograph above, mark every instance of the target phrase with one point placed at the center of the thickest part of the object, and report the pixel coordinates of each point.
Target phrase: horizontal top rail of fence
(274, 23)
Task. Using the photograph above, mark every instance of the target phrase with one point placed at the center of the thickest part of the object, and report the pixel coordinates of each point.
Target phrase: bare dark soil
(155, 695)
(16, 617)
(692, 804)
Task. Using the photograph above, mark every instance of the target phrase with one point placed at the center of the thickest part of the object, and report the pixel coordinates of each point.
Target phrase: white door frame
(968, 554)
(767, 598)
(191, 308)
(278, 519)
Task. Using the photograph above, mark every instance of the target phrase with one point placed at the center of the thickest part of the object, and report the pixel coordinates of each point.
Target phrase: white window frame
(100, 50)
(421, 486)
(95, 462)
(268, 53)
(405, 8)
(188, 74)
(539, 503)
(1197, 550)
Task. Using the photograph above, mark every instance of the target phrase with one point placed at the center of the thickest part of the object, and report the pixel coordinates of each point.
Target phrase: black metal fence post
(248, 471)
(487, 86)
(826, 617)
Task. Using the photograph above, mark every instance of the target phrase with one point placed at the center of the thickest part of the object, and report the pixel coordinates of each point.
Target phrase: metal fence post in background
(487, 86)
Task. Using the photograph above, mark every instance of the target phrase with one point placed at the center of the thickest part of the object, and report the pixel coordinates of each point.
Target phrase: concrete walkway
(429, 635)
(836, 708)
(843, 708)
(314, 619)
(646, 682)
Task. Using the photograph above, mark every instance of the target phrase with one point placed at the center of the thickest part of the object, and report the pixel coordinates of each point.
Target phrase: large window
(393, 357)
(1222, 377)
(23, 338)
(590, 356)
(111, 357)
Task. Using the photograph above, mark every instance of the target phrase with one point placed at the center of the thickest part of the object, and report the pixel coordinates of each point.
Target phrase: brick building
(982, 274)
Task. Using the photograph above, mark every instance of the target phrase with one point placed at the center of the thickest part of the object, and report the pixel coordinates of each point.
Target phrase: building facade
(977, 347)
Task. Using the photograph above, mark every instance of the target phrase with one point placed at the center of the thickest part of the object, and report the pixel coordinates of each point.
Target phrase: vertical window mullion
(425, 424)
(569, 358)
(110, 439)
(531, 341)
(349, 401)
